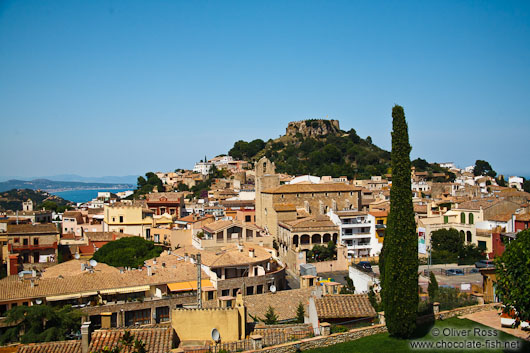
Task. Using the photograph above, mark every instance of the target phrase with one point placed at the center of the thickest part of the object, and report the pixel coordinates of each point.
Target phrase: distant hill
(125, 179)
(318, 147)
(51, 185)
(12, 199)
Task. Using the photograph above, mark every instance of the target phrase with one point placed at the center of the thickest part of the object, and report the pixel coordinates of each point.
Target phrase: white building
(357, 233)
(203, 167)
(515, 181)
(306, 179)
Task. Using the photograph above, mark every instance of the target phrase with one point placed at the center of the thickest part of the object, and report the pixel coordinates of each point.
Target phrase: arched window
(295, 240)
(469, 236)
(462, 218)
(471, 218)
(327, 238)
(304, 239)
(335, 236)
(316, 239)
(462, 235)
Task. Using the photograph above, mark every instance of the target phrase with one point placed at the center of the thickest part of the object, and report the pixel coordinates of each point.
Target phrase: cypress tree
(399, 263)
(433, 287)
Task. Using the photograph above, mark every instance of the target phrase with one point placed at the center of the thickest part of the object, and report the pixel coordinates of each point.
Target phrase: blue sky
(126, 87)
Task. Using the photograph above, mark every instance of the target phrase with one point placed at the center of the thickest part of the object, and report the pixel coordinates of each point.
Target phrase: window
(35, 257)
(35, 241)
(259, 289)
(121, 219)
(234, 292)
(469, 236)
(225, 292)
(210, 295)
(121, 230)
(114, 219)
(16, 240)
(148, 234)
(471, 218)
(446, 219)
(25, 241)
(248, 218)
(250, 290)
(482, 245)
(462, 218)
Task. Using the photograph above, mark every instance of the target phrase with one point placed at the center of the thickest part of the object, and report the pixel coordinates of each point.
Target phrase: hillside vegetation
(12, 200)
(336, 154)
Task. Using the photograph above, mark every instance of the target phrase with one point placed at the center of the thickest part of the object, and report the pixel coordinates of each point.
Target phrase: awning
(125, 290)
(188, 285)
(63, 297)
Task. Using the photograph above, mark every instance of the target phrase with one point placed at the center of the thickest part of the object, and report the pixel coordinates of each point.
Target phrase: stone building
(280, 203)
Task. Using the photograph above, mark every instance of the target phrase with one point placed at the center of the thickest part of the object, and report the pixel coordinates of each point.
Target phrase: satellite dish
(38, 301)
(215, 335)
(273, 288)
(77, 256)
(93, 263)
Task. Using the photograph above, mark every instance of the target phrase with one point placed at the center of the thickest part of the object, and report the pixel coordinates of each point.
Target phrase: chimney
(149, 271)
(33, 273)
(186, 257)
(85, 337)
(251, 252)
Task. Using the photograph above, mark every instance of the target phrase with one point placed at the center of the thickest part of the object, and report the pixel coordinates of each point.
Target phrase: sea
(83, 195)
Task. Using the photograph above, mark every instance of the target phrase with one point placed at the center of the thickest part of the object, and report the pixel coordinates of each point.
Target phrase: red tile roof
(51, 347)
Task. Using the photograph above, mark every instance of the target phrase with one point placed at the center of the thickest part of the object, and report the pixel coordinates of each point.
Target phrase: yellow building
(380, 224)
(197, 324)
(129, 219)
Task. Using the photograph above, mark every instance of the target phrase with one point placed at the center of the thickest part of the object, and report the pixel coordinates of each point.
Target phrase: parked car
(474, 270)
(484, 264)
(454, 272)
(365, 266)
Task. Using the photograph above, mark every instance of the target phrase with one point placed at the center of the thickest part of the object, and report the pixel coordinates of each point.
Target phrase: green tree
(270, 316)
(512, 271)
(349, 288)
(420, 164)
(447, 240)
(182, 187)
(500, 180)
(433, 286)
(526, 185)
(399, 269)
(483, 168)
(127, 252)
(300, 313)
(40, 323)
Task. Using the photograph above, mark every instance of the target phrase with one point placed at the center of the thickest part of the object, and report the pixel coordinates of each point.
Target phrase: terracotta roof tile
(51, 347)
(157, 339)
(344, 306)
(31, 228)
(284, 303)
(296, 188)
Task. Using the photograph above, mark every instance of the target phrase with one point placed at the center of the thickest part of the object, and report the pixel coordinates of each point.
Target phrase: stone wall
(354, 334)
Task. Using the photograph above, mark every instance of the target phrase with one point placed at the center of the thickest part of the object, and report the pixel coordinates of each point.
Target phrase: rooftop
(306, 188)
(344, 306)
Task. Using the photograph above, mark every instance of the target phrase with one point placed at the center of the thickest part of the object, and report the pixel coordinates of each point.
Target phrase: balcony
(380, 226)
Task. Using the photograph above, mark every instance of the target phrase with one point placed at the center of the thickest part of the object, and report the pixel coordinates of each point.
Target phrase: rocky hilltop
(313, 128)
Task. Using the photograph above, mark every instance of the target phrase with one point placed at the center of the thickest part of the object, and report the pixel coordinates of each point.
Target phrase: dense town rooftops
(477, 204)
(312, 188)
(90, 282)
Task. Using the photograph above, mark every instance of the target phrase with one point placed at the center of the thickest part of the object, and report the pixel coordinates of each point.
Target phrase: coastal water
(83, 195)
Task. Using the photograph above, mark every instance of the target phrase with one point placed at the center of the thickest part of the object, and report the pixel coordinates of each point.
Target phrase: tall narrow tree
(399, 265)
